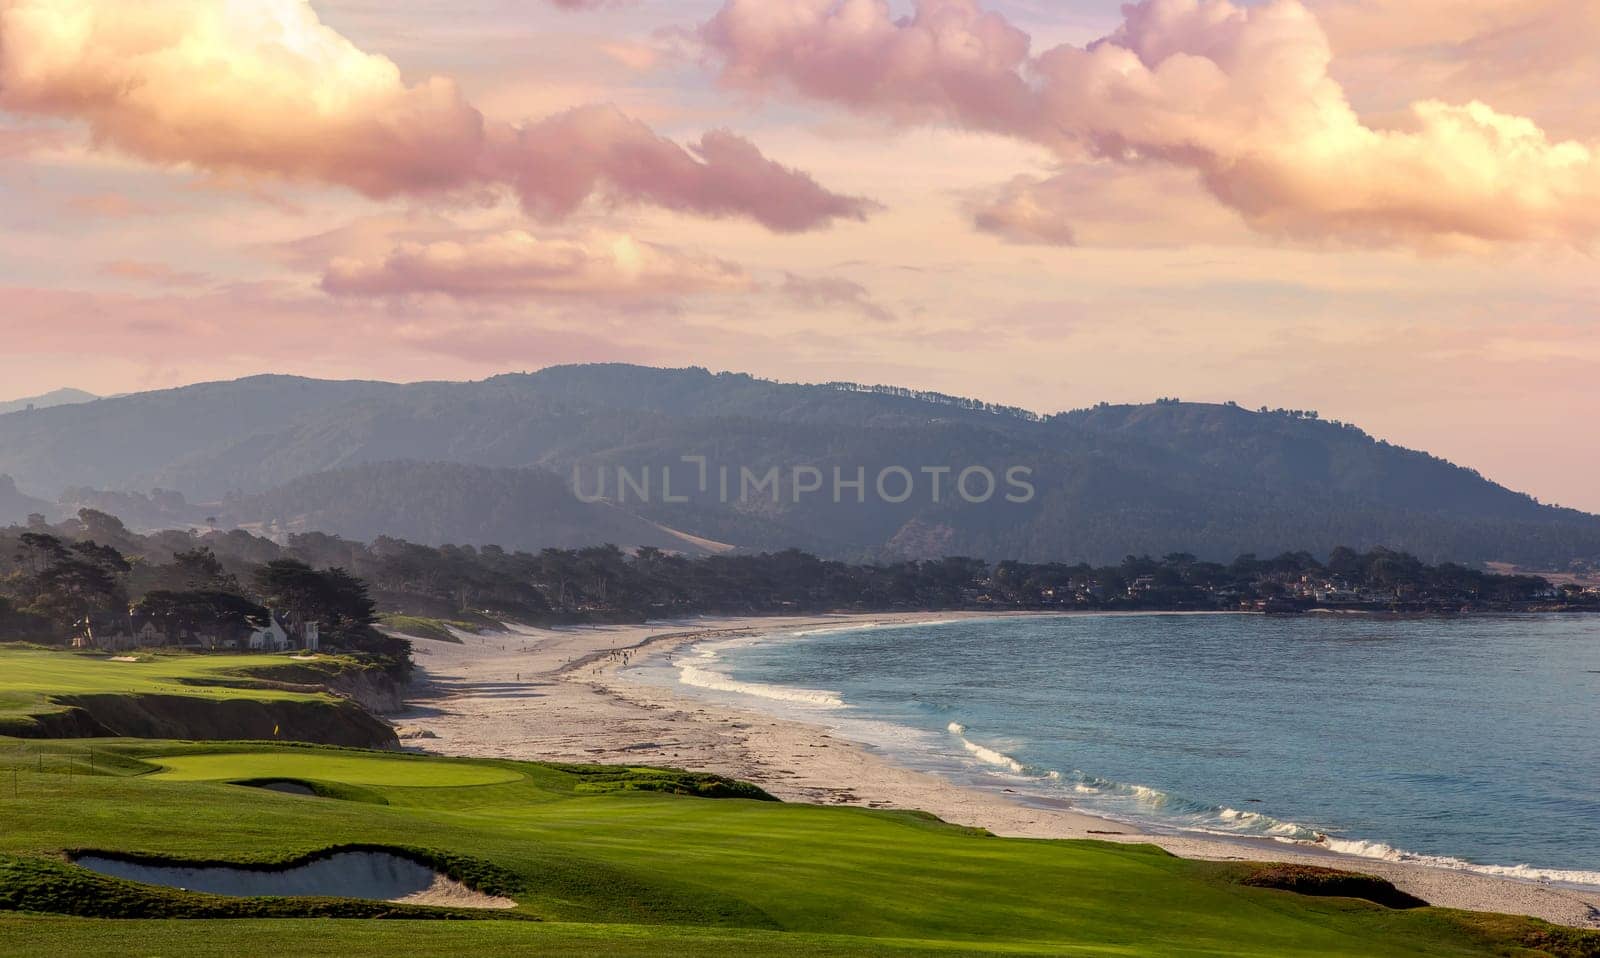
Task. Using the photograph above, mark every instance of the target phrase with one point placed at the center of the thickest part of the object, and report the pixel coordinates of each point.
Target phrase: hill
(59, 397)
(434, 503)
(1214, 480)
(15, 506)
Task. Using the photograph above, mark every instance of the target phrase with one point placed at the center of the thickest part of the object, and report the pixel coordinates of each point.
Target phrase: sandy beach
(561, 695)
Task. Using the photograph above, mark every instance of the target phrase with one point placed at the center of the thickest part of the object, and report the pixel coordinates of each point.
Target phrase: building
(113, 632)
(281, 634)
(120, 633)
(269, 637)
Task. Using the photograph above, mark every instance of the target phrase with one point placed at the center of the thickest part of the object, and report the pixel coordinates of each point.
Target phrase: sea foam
(699, 673)
(1136, 804)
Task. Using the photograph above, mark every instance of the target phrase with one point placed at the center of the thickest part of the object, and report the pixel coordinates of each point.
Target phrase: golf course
(622, 860)
(47, 693)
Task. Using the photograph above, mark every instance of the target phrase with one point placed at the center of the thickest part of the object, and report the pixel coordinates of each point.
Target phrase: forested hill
(440, 462)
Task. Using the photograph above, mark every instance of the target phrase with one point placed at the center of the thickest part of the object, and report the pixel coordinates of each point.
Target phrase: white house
(272, 637)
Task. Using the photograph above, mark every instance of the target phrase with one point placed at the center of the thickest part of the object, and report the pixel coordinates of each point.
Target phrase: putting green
(348, 769)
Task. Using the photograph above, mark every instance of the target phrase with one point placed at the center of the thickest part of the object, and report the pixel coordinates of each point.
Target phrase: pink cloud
(516, 265)
(830, 293)
(950, 60)
(556, 163)
(262, 87)
(249, 328)
(23, 142)
(1029, 210)
(155, 274)
(116, 206)
(1242, 95)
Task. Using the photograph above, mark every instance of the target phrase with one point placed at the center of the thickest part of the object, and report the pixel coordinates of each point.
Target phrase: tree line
(51, 577)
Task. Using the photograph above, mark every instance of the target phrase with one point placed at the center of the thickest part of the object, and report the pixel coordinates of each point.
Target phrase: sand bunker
(378, 876)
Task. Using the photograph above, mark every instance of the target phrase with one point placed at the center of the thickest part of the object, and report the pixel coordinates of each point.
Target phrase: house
(120, 633)
(280, 634)
(114, 632)
(270, 636)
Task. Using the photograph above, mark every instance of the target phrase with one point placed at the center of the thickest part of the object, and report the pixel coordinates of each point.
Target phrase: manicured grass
(33, 678)
(57, 694)
(353, 769)
(629, 871)
(332, 938)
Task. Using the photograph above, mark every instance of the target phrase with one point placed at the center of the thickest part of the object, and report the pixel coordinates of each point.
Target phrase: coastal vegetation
(58, 582)
(631, 870)
(55, 578)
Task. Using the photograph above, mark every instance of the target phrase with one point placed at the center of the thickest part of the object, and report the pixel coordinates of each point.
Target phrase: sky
(1384, 210)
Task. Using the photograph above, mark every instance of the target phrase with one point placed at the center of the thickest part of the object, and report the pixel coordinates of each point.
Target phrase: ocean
(1470, 742)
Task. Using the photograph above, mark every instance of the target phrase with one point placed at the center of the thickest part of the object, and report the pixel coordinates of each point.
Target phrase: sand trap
(378, 876)
(124, 658)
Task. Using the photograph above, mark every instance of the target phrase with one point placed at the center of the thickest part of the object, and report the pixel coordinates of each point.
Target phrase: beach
(563, 694)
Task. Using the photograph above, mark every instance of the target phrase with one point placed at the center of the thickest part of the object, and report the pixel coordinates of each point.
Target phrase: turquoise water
(1470, 741)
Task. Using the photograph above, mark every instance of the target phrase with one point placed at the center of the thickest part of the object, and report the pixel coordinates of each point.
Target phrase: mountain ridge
(65, 396)
(1111, 479)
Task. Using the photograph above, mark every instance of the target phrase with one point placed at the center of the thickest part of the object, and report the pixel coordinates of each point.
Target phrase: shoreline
(560, 695)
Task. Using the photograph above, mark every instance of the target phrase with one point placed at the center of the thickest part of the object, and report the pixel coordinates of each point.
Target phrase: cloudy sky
(1386, 210)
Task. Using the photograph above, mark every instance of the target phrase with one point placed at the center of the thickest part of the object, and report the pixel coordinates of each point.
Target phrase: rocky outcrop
(375, 691)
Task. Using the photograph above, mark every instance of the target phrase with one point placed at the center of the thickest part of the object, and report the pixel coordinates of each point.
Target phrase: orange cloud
(515, 264)
(1535, 57)
(263, 87)
(1242, 95)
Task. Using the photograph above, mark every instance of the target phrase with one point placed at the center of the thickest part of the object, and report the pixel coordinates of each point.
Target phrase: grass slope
(630, 870)
(423, 627)
(48, 693)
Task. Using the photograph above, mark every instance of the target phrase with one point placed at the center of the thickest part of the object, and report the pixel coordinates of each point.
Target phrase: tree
(40, 550)
(201, 610)
(344, 603)
(71, 589)
(291, 587)
(199, 570)
(334, 598)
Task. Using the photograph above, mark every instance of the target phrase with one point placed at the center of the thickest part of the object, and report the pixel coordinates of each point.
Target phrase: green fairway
(608, 865)
(346, 769)
(34, 677)
(55, 694)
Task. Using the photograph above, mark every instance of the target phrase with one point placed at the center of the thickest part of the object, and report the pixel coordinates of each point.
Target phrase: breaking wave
(1388, 853)
(698, 672)
(1141, 804)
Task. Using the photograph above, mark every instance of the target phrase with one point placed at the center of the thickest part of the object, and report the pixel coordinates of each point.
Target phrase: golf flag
(275, 731)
